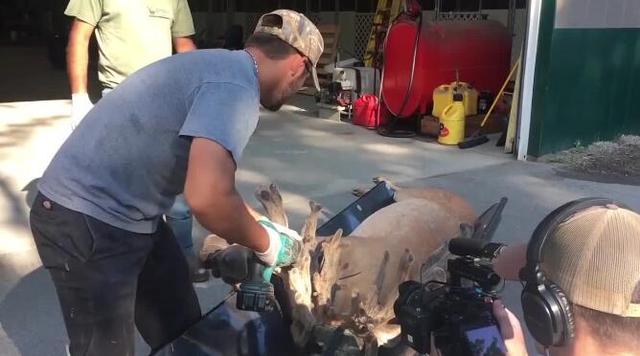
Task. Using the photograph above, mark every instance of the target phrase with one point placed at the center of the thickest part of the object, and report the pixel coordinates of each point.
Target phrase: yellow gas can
(452, 122)
(470, 96)
(442, 97)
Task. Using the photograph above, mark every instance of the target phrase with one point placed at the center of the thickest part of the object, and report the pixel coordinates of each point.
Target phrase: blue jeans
(180, 220)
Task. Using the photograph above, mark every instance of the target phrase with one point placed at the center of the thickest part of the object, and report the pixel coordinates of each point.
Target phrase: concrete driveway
(309, 158)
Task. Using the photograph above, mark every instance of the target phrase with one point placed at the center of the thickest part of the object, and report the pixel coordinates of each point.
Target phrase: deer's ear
(466, 230)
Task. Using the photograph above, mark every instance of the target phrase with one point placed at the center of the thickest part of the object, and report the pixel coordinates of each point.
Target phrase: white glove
(285, 244)
(80, 106)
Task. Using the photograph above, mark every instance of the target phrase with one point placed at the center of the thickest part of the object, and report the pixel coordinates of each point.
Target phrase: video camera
(457, 314)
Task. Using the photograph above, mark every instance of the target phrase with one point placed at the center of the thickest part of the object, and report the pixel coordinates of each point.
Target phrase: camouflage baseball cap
(298, 31)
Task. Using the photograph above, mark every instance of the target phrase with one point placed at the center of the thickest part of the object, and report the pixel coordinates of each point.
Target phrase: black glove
(231, 263)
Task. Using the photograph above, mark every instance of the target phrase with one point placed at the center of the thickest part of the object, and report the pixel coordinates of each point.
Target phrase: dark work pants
(109, 279)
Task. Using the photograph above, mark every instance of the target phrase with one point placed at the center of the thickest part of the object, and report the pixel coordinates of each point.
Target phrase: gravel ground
(617, 160)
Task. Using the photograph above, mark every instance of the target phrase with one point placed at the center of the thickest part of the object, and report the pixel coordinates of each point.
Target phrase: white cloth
(80, 106)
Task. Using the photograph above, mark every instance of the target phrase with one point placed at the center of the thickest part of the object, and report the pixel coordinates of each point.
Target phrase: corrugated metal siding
(586, 79)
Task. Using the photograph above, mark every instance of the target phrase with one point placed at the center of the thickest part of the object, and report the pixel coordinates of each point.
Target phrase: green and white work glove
(80, 106)
(285, 244)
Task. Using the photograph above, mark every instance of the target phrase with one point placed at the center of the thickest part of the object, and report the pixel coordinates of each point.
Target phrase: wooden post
(512, 128)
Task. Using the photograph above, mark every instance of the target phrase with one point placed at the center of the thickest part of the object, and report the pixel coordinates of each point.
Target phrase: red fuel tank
(479, 50)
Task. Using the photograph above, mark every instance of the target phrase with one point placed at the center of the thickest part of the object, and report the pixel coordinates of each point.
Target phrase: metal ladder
(386, 11)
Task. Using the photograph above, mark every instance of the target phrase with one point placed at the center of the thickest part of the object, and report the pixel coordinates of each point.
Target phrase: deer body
(352, 282)
(388, 248)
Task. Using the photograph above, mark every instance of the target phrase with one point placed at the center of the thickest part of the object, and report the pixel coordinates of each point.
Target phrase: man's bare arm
(211, 193)
(183, 44)
(78, 55)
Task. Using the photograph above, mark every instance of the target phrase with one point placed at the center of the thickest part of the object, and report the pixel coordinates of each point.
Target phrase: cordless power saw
(238, 264)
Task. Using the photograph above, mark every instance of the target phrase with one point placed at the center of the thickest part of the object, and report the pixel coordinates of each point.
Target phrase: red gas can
(365, 111)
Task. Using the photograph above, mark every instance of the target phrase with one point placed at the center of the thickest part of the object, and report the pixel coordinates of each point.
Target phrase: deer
(349, 283)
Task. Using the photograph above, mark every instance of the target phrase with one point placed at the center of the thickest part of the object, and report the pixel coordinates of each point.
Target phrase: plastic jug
(442, 97)
(452, 122)
(469, 97)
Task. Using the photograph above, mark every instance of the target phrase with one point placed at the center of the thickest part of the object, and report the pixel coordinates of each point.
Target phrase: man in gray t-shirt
(178, 125)
(130, 35)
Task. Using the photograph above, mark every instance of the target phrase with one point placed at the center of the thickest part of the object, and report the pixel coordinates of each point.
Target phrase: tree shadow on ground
(26, 316)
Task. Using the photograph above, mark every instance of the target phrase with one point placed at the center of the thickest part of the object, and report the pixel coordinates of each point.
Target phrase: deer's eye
(320, 261)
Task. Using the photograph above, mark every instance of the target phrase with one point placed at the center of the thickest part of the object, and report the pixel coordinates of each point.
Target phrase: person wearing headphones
(581, 279)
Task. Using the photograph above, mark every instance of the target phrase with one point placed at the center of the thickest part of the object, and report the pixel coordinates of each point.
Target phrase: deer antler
(402, 274)
(271, 201)
(310, 226)
(325, 274)
(298, 278)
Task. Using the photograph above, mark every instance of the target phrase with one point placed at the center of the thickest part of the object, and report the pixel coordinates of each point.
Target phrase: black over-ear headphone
(546, 309)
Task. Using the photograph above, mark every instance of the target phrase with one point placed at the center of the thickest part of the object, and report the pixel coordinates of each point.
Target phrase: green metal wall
(587, 81)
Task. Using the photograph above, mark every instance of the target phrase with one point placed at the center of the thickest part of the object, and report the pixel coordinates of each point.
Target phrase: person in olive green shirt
(130, 34)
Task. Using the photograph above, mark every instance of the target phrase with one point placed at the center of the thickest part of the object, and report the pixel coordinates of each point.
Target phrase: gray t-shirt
(127, 160)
